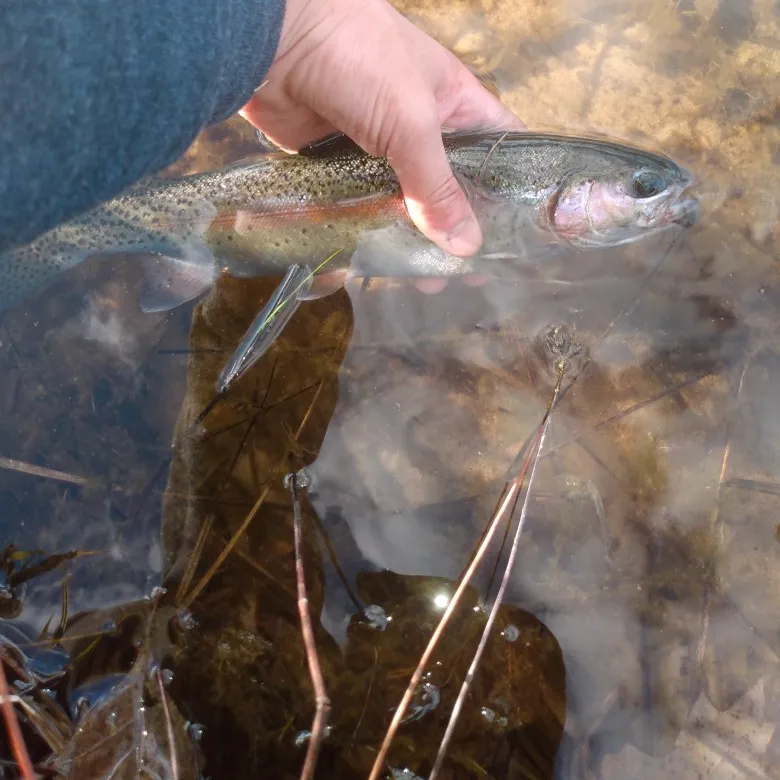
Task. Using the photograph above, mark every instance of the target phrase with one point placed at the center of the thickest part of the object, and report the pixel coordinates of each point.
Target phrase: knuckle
(447, 196)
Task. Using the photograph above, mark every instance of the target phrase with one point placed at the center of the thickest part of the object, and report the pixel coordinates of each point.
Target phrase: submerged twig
(625, 311)
(331, 553)
(12, 464)
(168, 727)
(212, 570)
(321, 700)
(194, 559)
(470, 674)
(14, 731)
(206, 578)
(716, 527)
(49, 563)
(368, 694)
(260, 569)
(509, 498)
(578, 436)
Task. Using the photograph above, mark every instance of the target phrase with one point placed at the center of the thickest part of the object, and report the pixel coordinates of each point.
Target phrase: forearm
(95, 94)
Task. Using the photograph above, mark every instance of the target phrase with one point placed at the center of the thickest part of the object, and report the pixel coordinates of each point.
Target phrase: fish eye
(646, 183)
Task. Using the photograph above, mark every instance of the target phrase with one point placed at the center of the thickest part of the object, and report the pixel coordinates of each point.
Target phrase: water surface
(639, 636)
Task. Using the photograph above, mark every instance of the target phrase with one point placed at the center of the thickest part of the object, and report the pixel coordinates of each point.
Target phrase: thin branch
(12, 464)
(168, 728)
(509, 497)
(14, 732)
(645, 402)
(493, 613)
(326, 543)
(194, 559)
(322, 702)
(206, 578)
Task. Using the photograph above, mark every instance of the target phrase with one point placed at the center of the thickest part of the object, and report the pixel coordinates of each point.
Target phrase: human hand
(361, 68)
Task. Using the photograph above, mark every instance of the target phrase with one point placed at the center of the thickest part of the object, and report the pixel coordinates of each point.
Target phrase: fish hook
(488, 156)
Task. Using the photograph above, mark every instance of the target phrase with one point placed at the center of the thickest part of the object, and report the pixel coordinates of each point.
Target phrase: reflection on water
(639, 634)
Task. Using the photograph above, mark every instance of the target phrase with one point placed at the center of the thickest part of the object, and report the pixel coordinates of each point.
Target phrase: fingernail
(466, 238)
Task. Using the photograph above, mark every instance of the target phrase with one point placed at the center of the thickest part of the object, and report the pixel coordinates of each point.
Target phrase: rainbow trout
(339, 211)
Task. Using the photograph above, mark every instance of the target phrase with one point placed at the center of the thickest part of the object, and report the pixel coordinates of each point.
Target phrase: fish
(339, 211)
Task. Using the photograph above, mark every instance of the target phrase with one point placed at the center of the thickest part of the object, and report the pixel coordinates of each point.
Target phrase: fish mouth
(685, 212)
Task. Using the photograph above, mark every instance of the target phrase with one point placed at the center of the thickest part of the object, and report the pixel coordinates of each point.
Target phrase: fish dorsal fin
(333, 144)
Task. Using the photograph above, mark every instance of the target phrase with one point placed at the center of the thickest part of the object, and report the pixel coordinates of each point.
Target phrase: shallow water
(639, 636)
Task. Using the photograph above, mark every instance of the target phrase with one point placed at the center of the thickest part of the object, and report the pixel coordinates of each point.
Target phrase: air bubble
(376, 617)
(303, 736)
(511, 633)
(403, 774)
(186, 619)
(302, 480)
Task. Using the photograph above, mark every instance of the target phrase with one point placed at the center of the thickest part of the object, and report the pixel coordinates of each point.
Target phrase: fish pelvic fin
(173, 280)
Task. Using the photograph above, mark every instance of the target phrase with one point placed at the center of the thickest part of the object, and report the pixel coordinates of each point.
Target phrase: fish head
(630, 196)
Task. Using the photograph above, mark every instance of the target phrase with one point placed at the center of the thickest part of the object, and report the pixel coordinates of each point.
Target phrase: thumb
(434, 198)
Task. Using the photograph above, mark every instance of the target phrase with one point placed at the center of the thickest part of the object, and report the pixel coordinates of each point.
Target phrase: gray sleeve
(95, 94)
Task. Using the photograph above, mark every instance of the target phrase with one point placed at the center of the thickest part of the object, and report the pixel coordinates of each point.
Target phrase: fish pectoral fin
(170, 281)
(268, 324)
